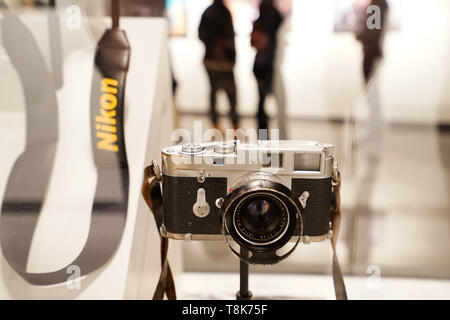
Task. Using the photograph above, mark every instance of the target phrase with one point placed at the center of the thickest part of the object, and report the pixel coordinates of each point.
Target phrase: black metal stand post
(243, 293)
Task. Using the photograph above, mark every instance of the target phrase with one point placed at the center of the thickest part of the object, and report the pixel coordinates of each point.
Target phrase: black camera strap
(338, 278)
(151, 191)
(29, 179)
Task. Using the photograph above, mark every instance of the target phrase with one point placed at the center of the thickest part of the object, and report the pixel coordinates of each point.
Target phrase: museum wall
(322, 68)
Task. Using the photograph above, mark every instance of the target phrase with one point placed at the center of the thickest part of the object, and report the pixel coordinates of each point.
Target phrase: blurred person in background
(143, 8)
(264, 40)
(217, 33)
(370, 30)
(28, 3)
(371, 39)
(368, 147)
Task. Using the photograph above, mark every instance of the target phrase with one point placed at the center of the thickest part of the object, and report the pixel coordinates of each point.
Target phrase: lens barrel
(261, 214)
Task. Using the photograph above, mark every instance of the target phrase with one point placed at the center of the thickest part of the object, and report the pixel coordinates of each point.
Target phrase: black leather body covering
(180, 194)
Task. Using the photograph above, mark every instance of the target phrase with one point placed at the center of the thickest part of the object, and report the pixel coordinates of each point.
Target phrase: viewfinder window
(307, 162)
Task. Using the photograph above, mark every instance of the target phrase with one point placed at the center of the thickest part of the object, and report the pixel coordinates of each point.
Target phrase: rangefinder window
(272, 160)
(307, 162)
(218, 161)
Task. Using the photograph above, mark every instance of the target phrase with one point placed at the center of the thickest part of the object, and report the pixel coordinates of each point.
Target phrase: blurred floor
(214, 286)
(405, 228)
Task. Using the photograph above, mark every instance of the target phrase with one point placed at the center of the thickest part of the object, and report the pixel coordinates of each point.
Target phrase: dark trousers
(369, 63)
(223, 80)
(264, 78)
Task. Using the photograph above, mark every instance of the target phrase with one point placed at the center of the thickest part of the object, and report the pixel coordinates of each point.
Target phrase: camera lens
(261, 215)
(260, 212)
(261, 218)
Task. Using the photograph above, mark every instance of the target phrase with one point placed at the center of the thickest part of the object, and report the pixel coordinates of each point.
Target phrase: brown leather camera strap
(151, 191)
(338, 278)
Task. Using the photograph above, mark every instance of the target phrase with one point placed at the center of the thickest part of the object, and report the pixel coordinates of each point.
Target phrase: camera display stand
(243, 293)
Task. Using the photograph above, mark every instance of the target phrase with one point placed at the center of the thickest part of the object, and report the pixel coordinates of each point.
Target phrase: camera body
(261, 194)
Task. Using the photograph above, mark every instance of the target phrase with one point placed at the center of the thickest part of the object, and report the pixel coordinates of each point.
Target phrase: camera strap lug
(151, 191)
(306, 240)
(163, 231)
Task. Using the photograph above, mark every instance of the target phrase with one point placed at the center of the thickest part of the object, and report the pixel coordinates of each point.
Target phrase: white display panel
(64, 221)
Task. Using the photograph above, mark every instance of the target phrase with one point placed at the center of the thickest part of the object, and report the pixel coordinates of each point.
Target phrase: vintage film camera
(263, 196)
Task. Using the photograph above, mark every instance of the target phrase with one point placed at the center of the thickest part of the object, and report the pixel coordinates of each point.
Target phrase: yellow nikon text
(106, 121)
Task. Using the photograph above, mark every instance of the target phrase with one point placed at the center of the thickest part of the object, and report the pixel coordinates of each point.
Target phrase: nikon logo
(106, 122)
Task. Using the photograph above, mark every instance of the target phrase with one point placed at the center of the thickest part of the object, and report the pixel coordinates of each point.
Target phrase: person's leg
(214, 84)
(368, 64)
(230, 89)
(262, 116)
(264, 77)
